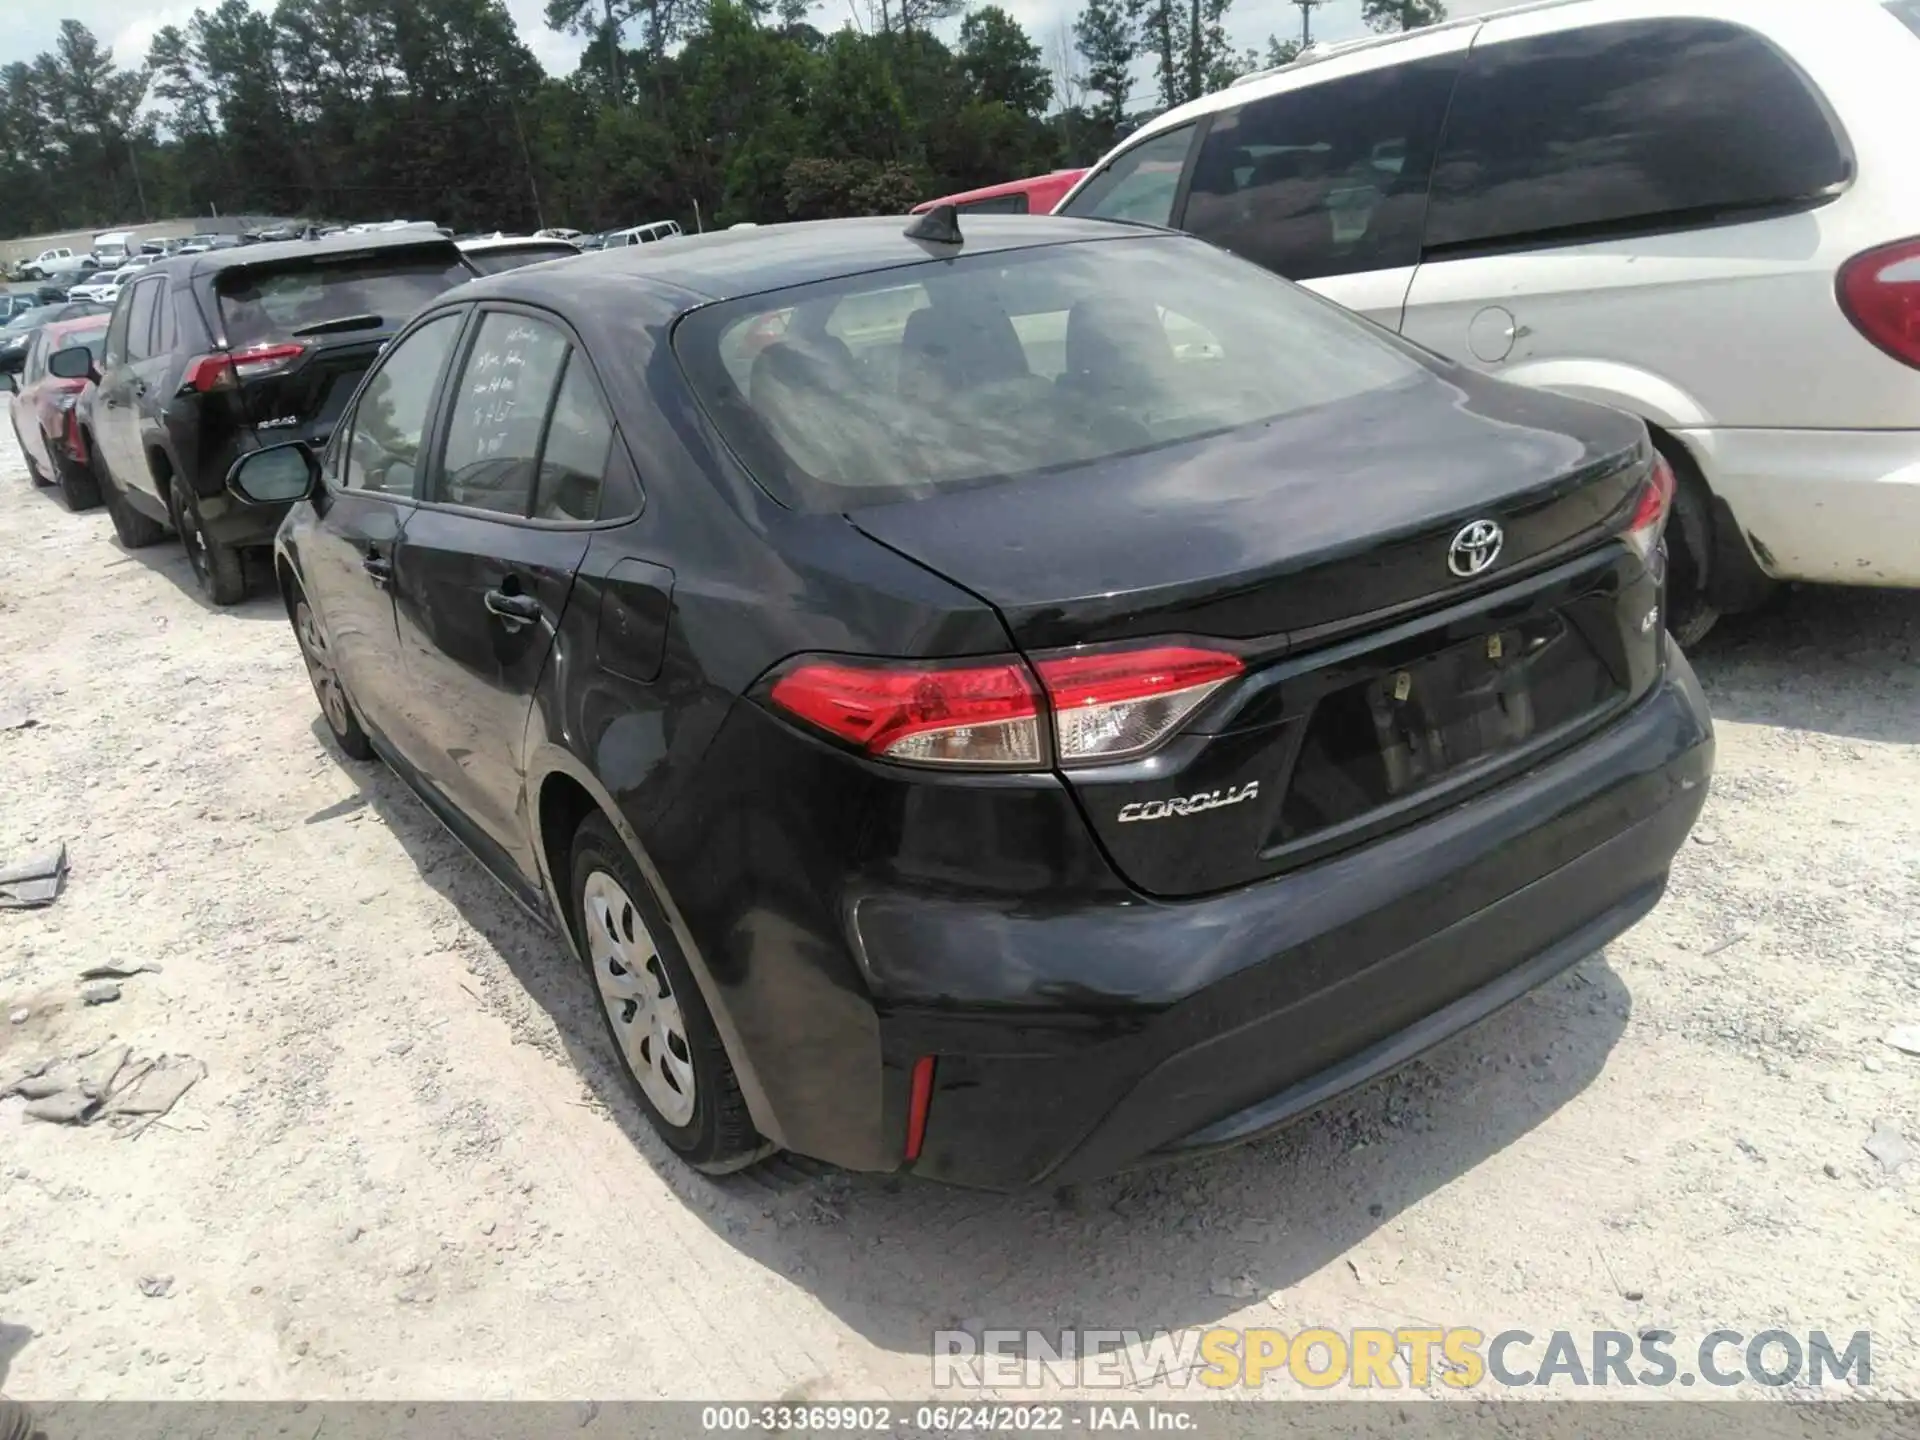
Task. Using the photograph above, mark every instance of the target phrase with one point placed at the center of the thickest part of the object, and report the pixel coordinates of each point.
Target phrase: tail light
(1649, 518)
(919, 1098)
(983, 714)
(986, 714)
(1119, 703)
(1880, 293)
(225, 370)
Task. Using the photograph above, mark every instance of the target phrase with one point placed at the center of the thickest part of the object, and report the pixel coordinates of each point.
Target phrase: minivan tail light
(980, 714)
(223, 371)
(1114, 704)
(1649, 518)
(1880, 293)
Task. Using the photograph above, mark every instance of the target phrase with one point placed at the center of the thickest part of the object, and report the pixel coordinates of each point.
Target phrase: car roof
(724, 264)
(1027, 186)
(60, 329)
(212, 262)
(510, 242)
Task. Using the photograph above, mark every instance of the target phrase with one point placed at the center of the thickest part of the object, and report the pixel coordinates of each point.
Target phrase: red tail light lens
(1119, 703)
(982, 714)
(986, 714)
(1649, 517)
(919, 1098)
(1880, 293)
(208, 373)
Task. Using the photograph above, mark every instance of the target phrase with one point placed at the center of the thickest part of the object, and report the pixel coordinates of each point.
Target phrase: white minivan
(1706, 212)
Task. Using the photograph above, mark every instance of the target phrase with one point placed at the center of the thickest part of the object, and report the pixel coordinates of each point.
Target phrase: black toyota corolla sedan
(1008, 707)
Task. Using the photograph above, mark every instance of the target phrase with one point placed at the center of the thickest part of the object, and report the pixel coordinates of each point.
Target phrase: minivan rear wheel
(1690, 611)
(669, 1050)
(217, 568)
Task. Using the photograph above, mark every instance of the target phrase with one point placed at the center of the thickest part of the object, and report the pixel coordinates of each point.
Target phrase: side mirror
(73, 363)
(278, 475)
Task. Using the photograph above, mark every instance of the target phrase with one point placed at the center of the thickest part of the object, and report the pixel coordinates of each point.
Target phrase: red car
(45, 419)
(1036, 196)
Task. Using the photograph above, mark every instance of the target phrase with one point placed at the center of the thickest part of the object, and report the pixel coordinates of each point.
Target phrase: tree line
(704, 111)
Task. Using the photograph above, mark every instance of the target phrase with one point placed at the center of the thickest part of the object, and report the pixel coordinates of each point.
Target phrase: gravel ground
(410, 1170)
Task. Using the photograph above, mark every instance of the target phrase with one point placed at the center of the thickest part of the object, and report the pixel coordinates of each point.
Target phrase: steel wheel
(639, 998)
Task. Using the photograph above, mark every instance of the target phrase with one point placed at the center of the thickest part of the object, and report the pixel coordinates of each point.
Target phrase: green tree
(1402, 14)
(1281, 52)
(998, 62)
(1107, 36)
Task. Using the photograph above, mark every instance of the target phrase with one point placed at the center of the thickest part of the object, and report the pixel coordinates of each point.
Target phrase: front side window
(1140, 185)
(1330, 179)
(498, 413)
(1626, 127)
(905, 383)
(390, 417)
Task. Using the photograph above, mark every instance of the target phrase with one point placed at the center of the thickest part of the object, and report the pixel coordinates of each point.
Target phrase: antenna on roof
(941, 225)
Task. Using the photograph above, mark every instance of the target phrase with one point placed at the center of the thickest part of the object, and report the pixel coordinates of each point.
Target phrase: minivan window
(960, 372)
(1139, 185)
(1622, 127)
(1328, 179)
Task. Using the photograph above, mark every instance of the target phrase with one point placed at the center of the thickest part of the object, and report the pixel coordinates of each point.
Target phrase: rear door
(116, 416)
(368, 481)
(304, 331)
(486, 565)
(1327, 184)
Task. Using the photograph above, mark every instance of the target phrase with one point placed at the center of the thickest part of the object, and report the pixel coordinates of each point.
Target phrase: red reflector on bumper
(917, 1105)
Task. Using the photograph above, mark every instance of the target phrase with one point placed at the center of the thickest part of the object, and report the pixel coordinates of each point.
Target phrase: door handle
(516, 610)
(378, 569)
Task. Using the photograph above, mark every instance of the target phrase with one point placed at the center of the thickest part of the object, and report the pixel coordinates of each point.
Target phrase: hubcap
(639, 998)
(326, 684)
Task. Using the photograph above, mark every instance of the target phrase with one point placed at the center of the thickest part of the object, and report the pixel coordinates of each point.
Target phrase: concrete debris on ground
(1905, 1039)
(34, 882)
(99, 992)
(107, 1083)
(16, 720)
(1889, 1147)
(119, 972)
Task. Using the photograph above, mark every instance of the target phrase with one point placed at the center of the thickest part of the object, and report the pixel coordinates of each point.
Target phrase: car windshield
(32, 319)
(262, 304)
(907, 382)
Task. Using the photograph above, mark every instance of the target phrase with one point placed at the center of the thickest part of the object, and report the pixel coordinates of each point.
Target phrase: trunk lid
(305, 400)
(1379, 682)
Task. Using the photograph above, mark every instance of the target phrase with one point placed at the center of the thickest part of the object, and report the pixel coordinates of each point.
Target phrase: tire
(16, 1421)
(34, 472)
(135, 531)
(335, 707)
(669, 1050)
(1690, 611)
(78, 485)
(217, 568)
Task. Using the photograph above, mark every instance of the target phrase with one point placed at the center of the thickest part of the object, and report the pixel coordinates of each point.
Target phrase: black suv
(211, 356)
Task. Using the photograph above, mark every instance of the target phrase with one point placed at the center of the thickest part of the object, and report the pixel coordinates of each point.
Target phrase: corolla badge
(1188, 804)
(1475, 548)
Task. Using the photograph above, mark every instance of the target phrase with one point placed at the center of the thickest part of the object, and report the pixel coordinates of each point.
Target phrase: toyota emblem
(1475, 548)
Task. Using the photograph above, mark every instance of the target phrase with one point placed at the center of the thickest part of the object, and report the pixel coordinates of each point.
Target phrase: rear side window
(1325, 180)
(579, 436)
(1618, 128)
(1139, 185)
(288, 300)
(498, 411)
(140, 319)
(911, 381)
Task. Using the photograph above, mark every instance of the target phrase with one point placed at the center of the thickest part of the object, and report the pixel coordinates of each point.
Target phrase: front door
(361, 507)
(486, 566)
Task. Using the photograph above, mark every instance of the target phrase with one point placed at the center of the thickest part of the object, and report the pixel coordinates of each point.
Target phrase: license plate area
(1379, 736)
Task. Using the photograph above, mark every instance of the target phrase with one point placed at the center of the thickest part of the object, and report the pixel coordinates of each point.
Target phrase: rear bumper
(1070, 1045)
(1831, 506)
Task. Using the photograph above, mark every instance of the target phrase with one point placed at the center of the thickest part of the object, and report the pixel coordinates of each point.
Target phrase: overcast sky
(128, 25)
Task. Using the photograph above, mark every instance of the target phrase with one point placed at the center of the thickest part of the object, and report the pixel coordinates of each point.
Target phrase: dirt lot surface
(410, 1170)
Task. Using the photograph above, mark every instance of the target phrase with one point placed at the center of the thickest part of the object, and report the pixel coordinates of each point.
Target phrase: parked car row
(926, 664)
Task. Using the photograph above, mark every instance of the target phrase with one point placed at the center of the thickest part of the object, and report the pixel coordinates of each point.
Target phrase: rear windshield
(903, 383)
(266, 304)
(1907, 12)
(496, 258)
